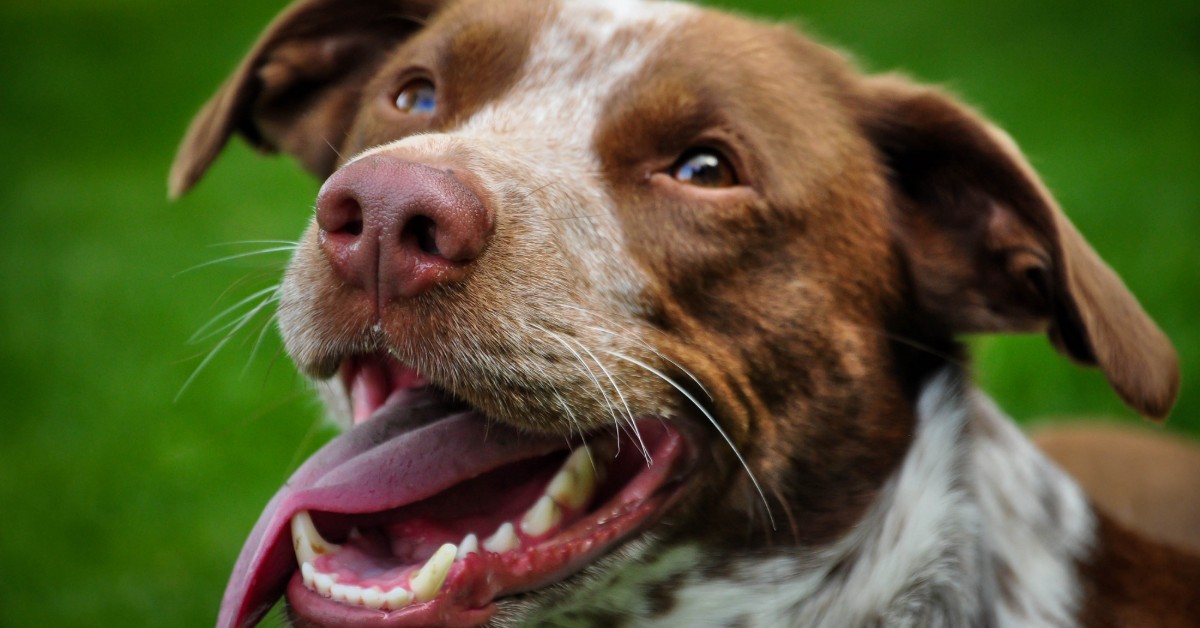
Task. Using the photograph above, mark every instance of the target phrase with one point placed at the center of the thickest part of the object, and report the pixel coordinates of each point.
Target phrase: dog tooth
(544, 515)
(307, 541)
(373, 598)
(575, 482)
(398, 598)
(323, 583)
(428, 581)
(469, 545)
(307, 572)
(346, 593)
(503, 540)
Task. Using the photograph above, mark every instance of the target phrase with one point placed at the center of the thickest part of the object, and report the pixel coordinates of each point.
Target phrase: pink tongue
(409, 451)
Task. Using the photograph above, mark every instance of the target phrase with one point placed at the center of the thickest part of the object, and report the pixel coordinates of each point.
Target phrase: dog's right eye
(417, 96)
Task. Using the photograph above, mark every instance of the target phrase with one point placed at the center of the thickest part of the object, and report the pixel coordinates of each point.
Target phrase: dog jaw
(786, 321)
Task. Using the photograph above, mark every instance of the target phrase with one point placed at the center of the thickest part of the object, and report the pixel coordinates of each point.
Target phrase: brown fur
(1148, 481)
(877, 221)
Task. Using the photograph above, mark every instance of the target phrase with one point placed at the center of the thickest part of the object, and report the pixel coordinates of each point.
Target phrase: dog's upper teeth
(428, 580)
(544, 515)
(307, 541)
(504, 539)
(575, 483)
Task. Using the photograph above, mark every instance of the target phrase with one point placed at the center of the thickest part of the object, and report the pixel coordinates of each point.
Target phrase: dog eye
(704, 168)
(417, 96)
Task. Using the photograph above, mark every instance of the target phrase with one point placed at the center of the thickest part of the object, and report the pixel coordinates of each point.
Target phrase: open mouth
(428, 513)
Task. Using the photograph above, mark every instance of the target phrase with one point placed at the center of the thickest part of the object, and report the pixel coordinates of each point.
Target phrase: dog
(639, 313)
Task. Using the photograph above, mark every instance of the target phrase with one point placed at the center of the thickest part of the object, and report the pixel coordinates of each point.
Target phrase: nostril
(353, 227)
(423, 230)
(343, 217)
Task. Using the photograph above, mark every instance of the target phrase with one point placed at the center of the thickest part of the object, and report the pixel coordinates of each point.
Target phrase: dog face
(705, 247)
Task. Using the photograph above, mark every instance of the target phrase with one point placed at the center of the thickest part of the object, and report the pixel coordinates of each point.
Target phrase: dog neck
(976, 528)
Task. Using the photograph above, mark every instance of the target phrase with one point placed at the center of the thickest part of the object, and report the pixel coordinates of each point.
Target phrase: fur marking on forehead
(582, 54)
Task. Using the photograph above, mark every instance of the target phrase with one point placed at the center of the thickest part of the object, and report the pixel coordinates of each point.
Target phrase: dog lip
(480, 579)
(372, 379)
(411, 450)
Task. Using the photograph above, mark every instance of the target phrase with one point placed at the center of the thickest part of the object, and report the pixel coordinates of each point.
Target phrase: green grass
(125, 507)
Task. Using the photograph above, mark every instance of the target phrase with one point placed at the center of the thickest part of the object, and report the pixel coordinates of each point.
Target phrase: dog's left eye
(704, 168)
(417, 96)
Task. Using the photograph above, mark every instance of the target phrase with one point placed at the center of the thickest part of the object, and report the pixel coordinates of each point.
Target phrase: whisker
(574, 217)
(711, 419)
(258, 342)
(591, 374)
(631, 336)
(333, 148)
(291, 243)
(207, 330)
(912, 343)
(229, 258)
(578, 427)
(267, 270)
(629, 413)
(240, 324)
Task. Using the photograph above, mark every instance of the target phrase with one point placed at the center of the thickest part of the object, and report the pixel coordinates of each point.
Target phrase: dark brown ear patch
(990, 251)
(297, 89)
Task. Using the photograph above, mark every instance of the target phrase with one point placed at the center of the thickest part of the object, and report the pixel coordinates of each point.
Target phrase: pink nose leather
(397, 229)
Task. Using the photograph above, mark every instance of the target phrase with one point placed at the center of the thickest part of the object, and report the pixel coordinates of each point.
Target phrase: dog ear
(298, 88)
(989, 250)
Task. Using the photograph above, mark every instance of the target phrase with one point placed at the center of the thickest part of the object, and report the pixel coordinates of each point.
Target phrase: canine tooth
(373, 598)
(323, 583)
(428, 581)
(503, 540)
(307, 572)
(544, 515)
(469, 545)
(575, 482)
(307, 541)
(398, 598)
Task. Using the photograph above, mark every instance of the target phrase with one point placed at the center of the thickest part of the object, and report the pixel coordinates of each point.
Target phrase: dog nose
(400, 228)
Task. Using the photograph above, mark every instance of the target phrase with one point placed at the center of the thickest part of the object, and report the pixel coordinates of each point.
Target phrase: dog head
(704, 246)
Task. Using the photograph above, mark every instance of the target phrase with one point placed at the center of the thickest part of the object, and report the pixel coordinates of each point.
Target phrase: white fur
(532, 149)
(973, 500)
(970, 496)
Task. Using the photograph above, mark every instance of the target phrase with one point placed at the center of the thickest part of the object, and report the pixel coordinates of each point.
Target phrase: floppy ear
(298, 88)
(989, 250)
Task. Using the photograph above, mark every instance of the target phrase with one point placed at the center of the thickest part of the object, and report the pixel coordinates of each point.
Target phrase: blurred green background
(124, 507)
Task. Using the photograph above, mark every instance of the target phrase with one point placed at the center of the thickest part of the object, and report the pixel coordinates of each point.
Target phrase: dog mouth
(427, 512)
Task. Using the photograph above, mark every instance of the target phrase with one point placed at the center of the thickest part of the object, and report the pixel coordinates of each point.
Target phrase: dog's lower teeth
(323, 584)
(397, 598)
(346, 593)
(373, 598)
(307, 573)
(572, 487)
